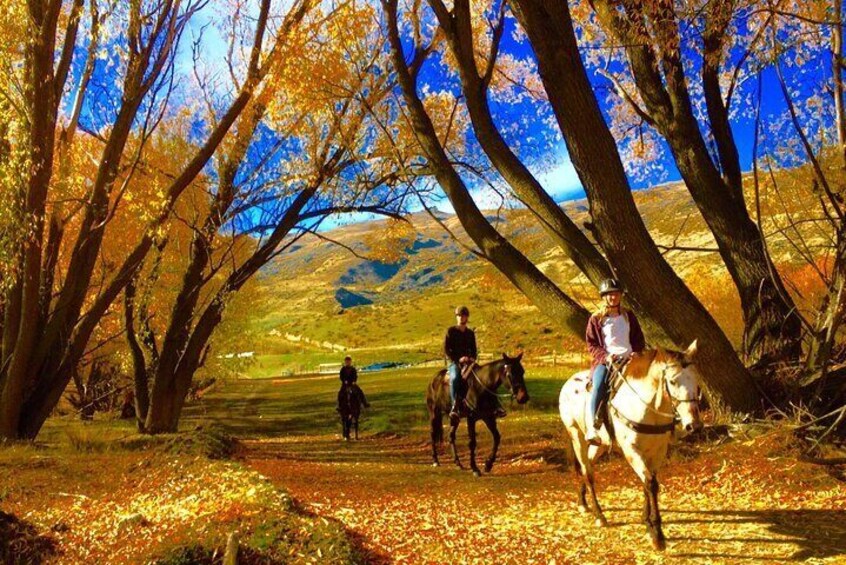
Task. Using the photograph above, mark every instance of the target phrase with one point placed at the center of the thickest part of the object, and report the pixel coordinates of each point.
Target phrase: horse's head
(681, 383)
(515, 378)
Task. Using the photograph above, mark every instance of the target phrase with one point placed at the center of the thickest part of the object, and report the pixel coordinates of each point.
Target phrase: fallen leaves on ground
(740, 503)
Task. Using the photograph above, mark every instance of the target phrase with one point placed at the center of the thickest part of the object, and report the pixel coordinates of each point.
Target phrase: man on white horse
(613, 335)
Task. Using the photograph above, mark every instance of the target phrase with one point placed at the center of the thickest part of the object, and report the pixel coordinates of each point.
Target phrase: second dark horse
(482, 383)
(350, 409)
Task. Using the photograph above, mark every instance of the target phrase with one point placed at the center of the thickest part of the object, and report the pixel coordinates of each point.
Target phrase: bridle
(506, 371)
(675, 402)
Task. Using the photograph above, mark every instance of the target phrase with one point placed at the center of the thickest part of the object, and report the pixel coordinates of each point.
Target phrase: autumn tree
(47, 322)
(301, 151)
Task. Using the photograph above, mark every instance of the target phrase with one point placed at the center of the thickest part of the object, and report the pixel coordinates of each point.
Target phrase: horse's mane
(638, 367)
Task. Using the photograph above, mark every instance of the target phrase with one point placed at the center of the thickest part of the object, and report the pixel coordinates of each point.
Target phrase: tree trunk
(166, 403)
(40, 98)
(831, 315)
(837, 62)
(563, 231)
(623, 235)
(139, 362)
(524, 275)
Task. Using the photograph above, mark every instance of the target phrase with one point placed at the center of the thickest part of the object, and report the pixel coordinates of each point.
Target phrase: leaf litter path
(742, 503)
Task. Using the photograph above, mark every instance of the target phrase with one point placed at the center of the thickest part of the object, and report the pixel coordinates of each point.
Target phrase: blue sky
(549, 160)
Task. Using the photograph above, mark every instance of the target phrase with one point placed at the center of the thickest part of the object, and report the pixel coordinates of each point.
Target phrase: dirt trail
(769, 509)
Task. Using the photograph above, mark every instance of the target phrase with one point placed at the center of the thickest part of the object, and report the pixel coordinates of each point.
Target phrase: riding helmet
(462, 311)
(608, 286)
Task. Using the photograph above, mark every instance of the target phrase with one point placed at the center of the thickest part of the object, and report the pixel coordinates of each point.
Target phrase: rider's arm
(473, 352)
(593, 337)
(354, 376)
(449, 351)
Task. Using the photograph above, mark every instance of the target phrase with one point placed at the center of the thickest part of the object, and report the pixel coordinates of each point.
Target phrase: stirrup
(500, 413)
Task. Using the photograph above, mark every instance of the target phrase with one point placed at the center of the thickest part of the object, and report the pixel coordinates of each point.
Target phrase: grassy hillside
(319, 300)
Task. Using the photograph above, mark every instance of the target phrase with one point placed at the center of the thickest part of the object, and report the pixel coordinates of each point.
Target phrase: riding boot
(455, 411)
(592, 425)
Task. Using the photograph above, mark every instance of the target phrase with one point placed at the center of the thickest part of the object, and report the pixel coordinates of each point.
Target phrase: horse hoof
(659, 544)
(583, 509)
(477, 473)
(435, 464)
(488, 468)
(601, 522)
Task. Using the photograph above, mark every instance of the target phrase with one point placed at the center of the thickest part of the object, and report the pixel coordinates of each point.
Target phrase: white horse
(656, 388)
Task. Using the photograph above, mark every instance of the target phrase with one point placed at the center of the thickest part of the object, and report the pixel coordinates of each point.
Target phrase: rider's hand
(463, 359)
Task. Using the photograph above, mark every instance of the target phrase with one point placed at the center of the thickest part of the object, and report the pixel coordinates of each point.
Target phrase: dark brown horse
(350, 409)
(482, 402)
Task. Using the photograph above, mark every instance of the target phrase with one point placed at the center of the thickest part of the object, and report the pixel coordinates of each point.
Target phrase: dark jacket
(596, 341)
(348, 374)
(458, 344)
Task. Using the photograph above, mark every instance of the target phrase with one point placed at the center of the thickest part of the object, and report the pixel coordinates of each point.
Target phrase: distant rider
(349, 376)
(613, 335)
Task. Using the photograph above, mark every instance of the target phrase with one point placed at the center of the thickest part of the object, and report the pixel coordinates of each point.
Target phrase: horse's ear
(691, 350)
(505, 356)
(520, 356)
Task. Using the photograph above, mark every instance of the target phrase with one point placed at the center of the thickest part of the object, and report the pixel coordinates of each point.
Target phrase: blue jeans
(599, 391)
(455, 383)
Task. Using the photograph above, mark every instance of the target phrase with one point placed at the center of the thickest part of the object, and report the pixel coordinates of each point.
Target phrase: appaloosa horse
(483, 381)
(654, 390)
(350, 409)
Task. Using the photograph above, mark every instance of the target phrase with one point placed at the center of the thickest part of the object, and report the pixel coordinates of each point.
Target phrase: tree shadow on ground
(819, 534)
(20, 542)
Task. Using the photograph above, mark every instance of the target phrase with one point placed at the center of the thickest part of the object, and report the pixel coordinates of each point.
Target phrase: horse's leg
(593, 453)
(648, 478)
(356, 428)
(452, 431)
(659, 542)
(646, 504)
(579, 455)
(491, 424)
(471, 432)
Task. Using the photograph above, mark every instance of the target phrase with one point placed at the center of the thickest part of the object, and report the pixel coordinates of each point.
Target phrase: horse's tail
(435, 412)
(437, 427)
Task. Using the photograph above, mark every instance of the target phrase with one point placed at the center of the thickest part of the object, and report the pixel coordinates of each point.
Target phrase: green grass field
(305, 405)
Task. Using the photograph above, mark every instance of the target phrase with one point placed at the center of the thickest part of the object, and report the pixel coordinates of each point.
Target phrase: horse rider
(349, 377)
(613, 335)
(460, 349)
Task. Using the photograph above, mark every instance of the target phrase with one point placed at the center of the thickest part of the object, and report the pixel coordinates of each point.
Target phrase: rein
(485, 388)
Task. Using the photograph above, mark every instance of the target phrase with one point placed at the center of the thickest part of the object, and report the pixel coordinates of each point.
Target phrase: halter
(653, 429)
